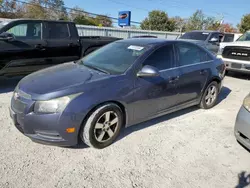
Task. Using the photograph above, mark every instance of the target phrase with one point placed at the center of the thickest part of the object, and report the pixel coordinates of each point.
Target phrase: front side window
(24, 31)
(58, 30)
(114, 58)
(162, 58)
(190, 54)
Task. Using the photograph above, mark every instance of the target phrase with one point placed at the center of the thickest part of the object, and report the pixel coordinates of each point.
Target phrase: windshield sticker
(137, 48)
(205, 33)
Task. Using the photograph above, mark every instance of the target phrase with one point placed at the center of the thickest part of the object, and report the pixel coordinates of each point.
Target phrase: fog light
(70, 130)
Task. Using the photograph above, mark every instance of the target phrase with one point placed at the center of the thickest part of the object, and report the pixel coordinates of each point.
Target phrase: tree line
(156, 19)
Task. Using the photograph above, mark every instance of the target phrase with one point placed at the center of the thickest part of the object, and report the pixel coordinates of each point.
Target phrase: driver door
(26, 52)
(154, 95)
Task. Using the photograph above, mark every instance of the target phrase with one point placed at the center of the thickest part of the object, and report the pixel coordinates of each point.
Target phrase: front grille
(18, 105)
(236, 52)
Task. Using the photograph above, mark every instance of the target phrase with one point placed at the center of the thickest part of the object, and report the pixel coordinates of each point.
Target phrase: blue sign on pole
(124, 18)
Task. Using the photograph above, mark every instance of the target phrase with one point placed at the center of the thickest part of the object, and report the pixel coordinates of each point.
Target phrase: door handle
(174, 79)
(202, 72)
(73, 44)
(40, 47)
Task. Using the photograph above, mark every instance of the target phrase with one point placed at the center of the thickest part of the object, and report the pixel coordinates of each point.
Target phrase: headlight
(246, 103)
(220, 51)
(54, 105)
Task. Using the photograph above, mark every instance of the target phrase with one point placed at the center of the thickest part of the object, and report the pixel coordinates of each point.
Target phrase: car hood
(57, 78)
(237, 43)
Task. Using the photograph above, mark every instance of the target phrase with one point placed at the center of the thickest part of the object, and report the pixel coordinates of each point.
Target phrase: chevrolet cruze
(121, 84)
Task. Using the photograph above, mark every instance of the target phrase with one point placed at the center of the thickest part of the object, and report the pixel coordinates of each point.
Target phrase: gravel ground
(190, 148)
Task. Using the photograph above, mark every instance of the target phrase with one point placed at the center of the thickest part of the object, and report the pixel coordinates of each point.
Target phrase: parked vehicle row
(119, 85)
(29, 45)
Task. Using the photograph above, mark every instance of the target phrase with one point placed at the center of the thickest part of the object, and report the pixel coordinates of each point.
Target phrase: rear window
(228, 38)
(58, 30)
(195, 36)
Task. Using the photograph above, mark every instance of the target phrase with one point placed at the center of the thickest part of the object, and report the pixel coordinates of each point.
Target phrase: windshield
(3, 23)
(245, 37)
(195, 36)
(114, 58)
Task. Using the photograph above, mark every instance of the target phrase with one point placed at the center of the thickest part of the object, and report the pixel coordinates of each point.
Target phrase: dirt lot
(191, 148)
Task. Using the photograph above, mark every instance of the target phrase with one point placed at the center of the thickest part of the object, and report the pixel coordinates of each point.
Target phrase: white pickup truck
(236, 55)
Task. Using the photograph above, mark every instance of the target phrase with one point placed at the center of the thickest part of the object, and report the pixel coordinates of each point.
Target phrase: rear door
(63, 45)
(194, 67)
(27, 52)
(154, 95)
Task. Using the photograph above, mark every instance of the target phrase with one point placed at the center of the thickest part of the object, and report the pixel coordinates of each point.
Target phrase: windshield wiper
(96, 68)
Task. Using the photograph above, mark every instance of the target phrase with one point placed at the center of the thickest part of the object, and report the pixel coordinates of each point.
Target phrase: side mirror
(214, 40)
(7, 37)
(148, 71)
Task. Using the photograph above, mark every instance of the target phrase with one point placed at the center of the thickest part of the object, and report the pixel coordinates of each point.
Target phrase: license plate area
(236, 65)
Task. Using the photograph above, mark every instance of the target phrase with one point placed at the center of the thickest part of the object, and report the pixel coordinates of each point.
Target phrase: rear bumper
(242, 127)
(236, 65)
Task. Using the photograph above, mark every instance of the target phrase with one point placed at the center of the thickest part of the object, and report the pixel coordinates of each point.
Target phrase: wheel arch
(119, 104)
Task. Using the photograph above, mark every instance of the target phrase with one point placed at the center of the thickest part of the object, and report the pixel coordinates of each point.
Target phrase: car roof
(30, 19)
(204, 31)
(145, 41)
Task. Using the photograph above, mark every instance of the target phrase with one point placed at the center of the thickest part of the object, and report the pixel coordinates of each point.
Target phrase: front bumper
(236, 65)
(45, 128)
(242, 127)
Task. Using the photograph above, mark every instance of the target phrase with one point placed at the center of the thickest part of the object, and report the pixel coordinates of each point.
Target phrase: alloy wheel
(106, 126)
(211, 95)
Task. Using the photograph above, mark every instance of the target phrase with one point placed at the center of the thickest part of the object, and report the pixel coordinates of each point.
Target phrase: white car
(236, 55)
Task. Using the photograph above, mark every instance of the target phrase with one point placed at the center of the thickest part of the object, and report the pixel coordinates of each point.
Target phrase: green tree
(85, 20)
(245, 23)
(199, 21)
(159, 21)
(11, 9)
(103, 21)
(35, 10)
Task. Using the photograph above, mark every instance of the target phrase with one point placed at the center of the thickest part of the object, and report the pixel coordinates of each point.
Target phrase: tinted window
(195, 36)
(114, 58)
(228, 38)
(190, 54)
(162, 58)
(26, 30)
(58, 30)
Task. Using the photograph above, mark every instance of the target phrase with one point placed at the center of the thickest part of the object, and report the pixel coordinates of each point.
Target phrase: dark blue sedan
(121, 84)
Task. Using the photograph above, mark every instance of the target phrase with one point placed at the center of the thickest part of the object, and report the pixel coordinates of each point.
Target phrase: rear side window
(58, 30)
(190, 54)
(162, 58)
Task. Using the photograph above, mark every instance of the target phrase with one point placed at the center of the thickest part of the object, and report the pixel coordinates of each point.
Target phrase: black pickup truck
(29, 45)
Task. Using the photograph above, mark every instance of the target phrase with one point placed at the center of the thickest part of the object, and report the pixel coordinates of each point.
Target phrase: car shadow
(225, 91)
(8, 84)
(243, 180)
(238, 75)
(127, 131)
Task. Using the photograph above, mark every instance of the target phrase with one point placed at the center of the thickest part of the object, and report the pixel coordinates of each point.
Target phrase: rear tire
(103, 126)
(210, 96)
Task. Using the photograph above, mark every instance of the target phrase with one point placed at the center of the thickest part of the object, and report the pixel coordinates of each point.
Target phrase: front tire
(210, 96)
(103, 126)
